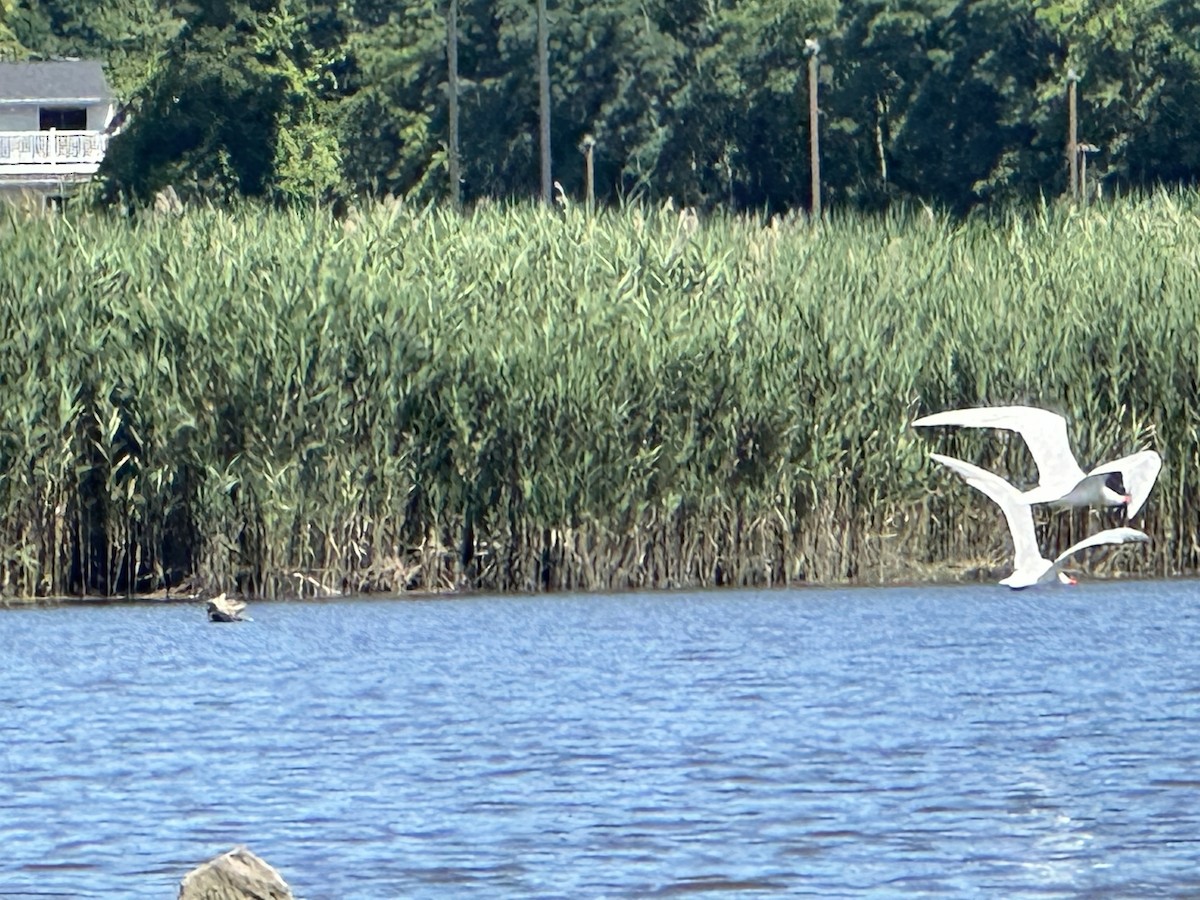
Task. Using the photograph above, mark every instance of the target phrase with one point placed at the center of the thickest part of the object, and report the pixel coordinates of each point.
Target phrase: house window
(64, 119)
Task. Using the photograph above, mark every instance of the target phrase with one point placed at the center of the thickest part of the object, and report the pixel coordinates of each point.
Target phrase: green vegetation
(518, 398)
(957, 102)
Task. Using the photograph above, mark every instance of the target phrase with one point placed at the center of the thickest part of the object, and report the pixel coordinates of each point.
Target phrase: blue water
(957, 741)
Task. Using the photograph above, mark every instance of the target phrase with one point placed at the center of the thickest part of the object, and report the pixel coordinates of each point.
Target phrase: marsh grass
(513, 398)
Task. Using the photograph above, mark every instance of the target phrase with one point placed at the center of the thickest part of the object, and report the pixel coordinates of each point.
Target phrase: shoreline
(934, 577)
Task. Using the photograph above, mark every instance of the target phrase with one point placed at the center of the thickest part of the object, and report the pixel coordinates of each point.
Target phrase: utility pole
(543, 57)
(452, 63)
(813, 48)
(1072, 135)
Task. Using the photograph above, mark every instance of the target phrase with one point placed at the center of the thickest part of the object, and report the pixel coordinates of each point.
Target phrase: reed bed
(515, 398)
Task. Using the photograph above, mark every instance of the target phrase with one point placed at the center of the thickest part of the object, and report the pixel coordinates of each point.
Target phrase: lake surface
(954, 741)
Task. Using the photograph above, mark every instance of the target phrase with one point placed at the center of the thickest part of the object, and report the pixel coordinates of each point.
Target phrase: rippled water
(953, 741)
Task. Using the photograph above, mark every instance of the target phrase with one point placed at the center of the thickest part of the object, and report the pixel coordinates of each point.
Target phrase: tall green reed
(519, 399)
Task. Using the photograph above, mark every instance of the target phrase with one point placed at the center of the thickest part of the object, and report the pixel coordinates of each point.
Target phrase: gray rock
(236, 875)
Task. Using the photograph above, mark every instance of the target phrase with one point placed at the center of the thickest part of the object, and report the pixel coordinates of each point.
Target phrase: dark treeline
(955, 102)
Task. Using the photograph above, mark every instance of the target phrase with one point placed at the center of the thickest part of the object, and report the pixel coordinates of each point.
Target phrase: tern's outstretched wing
(1044, 432)
(1008, 498)
(1108, 536)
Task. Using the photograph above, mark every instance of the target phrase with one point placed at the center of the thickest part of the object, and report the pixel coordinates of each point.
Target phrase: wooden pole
(543, 56)
(814, 130)
(452, 63)
(1072, 136)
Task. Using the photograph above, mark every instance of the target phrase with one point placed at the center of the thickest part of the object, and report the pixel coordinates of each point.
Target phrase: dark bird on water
(223, 608)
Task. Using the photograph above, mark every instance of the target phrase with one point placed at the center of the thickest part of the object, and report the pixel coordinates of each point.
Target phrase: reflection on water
(955, 741)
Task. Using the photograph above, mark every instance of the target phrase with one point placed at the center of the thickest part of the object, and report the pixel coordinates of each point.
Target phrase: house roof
(73, 81)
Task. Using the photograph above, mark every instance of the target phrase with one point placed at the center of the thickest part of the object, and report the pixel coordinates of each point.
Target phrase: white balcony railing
(50, 152)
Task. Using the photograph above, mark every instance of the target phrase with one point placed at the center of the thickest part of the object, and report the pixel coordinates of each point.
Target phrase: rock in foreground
(236, 875)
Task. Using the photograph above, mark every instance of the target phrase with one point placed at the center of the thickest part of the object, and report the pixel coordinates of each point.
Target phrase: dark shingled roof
(77, 81)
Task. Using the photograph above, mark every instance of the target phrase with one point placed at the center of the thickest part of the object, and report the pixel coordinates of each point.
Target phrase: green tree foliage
(885, 51)
(239, 104)
(938, 99)
(743, 114)
(1139, 62)
(619, 67)
(613, 72)
(956, 102)
(130, 36)
(395, 103)
(301, 58)
(10, 47)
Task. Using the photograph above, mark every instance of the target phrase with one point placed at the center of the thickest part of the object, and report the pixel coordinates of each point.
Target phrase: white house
(54, 125)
